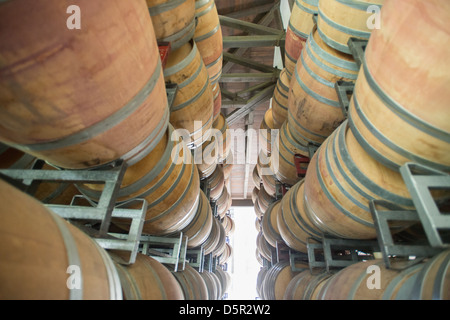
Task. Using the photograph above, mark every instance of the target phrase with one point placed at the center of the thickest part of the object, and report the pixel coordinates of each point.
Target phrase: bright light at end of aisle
(243, 265)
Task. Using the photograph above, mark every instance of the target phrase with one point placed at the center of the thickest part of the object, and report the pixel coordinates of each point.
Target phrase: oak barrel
(269, 224)
(300, 25)
(192, 108)
(81, 98)
(340, 20)
(208, 37)
(280, 100)
(341, 181)
(314, 108)
(287, 149)
(305, 285)
(147, 279)
(396, 83)
(278, 277)
(173, 21)
(200, 227)
(167, 179)
(42, 255)
(295, 226)
(192, 284)
(366, 280)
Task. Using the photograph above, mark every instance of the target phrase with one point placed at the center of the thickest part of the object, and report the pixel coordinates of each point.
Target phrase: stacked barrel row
(84, 96)
(426, 280)
(358, 158)
(35, 236)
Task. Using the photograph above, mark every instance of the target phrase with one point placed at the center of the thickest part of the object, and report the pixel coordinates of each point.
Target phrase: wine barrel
(433, 281)
(296, 228)
(269, 224)
(192, 284)
(221, 244)
(339, 20)
(215, 149)
(280, 100)
(192, 108)
(217, 96)
(355, 282)
(257, 209)
(75, 98)
(300, 25)
(259, 258)
(255, 194)
(265, 136)
(167, 179)
(401, 286)
(224, 278)
(213, 239)
(208, 37)
(270, 184)
(147, 279)
(395, 83)
(256, 178)
(216, 184)
(41, 250)
(223, 202)
(229, 225)
(314, 108)
(287, 149)
(200, 227)
(227, 165)
(212, 284)
(305, 285)
(427, 280)
(221, 138)
(173, 21)
(341, 181)
(226, 254)
(264, 247)
(264, 200)
(260, 282)
(278, 278)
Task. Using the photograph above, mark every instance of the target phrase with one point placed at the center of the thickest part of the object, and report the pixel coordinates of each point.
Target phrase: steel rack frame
(102, 212)
(332, 253)
(419, 180)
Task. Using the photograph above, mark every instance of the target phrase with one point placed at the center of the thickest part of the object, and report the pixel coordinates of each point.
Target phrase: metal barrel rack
(334, 253)
(431, 215)
(94, 218)
(100, 213)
